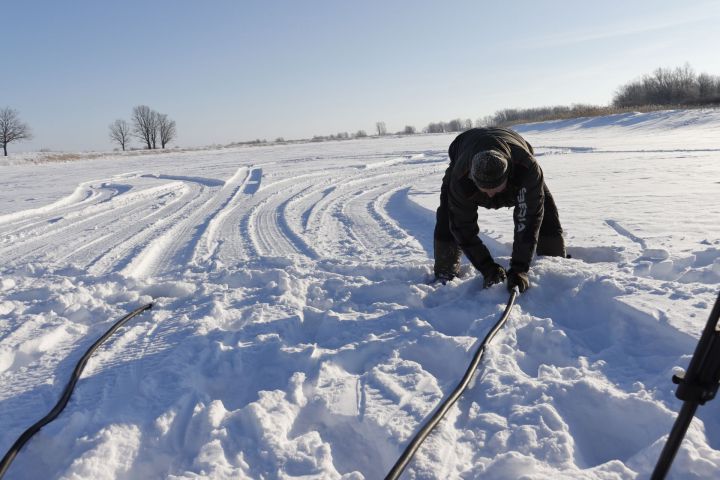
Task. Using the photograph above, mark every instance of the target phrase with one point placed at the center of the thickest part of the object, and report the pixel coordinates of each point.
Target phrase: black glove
(517, 279)
(492, 273)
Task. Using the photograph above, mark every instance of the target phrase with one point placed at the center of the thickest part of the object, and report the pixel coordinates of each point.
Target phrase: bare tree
(120, 133)
(155, 122)
(381, 128)
(709, 88)
(455, 125)
(439, 127)
(11, 128)
(706, 85)
(486, 121)
(145, 125)
(166, 129)
(409, 130)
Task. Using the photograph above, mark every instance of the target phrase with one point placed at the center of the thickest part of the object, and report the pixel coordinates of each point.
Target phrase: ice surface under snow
(293, 335)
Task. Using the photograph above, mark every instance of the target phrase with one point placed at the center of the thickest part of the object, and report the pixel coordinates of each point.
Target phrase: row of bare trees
(670, 86)
(511, 116)
(12, 128)
(664, 87)
(146, 125)
(382, 130)
(456, 125)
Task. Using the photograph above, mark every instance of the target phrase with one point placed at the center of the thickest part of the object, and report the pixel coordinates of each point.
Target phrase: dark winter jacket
(524, 192)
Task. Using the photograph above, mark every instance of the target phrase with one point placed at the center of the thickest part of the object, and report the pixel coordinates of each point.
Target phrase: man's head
(489, 171)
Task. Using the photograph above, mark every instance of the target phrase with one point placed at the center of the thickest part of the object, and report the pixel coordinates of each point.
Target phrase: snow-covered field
(293, 335)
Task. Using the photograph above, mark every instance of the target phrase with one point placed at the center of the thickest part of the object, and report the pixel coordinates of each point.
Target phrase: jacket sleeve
(528, 216)
(453, 148)
(464, 227)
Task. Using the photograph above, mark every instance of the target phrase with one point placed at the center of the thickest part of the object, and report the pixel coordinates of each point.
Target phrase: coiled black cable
(12, 453)
(413, 446)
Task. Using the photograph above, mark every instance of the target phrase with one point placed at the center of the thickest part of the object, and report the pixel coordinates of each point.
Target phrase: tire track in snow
(29, 223)
(124, 224)
(325, 222)
(283, 222)
(403, 226)
(295, 211)
(310, 203)
(378, 210)
(211, 238)
(236, 241)
(127, 250)
(175, 248)
(79, 229)
(369, 221)
(36, 221)
(224, 240)
(136, 236)
(415, 220)
(82, 194)
(354, 216)
(115, 249)
(267, 224)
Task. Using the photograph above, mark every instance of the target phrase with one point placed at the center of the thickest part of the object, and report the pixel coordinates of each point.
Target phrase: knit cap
(488, 169)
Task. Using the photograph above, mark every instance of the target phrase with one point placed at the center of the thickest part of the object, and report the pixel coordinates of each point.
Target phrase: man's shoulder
(482, 132)
(499, 138)
(501, 132)
(525, 170)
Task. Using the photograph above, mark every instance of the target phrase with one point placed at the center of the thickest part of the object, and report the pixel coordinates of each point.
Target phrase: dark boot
(447, 259)
(553, 246)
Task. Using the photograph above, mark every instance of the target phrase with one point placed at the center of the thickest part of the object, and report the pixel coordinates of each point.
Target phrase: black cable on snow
(12, 453)
(454, 396)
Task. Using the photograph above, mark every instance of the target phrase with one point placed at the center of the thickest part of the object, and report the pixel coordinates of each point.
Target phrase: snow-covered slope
(293, 335)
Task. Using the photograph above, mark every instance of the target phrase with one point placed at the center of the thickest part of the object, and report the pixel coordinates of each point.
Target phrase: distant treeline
(512, 116)
(665, 88)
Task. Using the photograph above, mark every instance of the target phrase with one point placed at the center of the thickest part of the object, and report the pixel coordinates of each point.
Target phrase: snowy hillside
(293, 335)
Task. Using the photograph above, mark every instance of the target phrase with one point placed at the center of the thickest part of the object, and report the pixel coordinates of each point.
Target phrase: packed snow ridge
(293, 333)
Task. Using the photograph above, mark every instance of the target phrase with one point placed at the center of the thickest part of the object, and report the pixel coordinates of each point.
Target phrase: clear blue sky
(239, 70)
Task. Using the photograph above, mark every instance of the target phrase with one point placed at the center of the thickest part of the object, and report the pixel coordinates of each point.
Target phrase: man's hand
(517, 279)
(492, 274)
